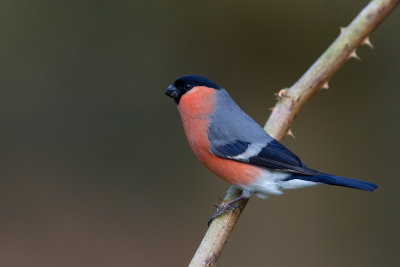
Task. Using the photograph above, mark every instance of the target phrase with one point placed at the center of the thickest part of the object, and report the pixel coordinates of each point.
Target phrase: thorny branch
(290, 103)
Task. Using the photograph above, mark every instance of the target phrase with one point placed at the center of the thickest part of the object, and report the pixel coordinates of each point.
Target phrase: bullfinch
(237, 149)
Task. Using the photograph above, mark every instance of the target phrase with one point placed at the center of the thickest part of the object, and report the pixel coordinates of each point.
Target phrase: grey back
(229, 123)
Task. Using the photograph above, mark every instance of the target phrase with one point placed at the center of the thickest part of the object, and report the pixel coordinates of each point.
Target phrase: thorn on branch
(325, 85)
(281, 93)
(367, 42)
(354, 55)
(342, 29)
(290, 133)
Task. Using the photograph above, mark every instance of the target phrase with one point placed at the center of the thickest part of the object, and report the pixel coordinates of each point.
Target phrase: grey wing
(234, 135)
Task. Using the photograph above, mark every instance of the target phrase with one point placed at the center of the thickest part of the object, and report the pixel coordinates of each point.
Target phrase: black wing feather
(272, 156)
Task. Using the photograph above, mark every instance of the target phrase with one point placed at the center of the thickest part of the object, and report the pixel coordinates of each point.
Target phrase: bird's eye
(188, 86)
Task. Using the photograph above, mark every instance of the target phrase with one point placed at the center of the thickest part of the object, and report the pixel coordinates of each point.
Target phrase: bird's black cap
(185, 83)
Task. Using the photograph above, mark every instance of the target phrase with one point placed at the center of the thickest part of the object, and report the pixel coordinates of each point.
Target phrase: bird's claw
(222, 208)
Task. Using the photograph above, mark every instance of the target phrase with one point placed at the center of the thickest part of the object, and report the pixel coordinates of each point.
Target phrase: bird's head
(186, 83)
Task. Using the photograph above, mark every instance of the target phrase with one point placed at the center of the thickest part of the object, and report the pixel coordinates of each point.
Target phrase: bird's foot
(222, 208)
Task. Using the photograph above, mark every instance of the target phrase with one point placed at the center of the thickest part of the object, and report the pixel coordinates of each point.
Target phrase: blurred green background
(96, 170)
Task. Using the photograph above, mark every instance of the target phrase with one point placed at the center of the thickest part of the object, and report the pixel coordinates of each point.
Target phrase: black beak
(172, 91)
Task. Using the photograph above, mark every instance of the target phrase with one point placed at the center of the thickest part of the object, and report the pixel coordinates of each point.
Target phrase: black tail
(338, 180)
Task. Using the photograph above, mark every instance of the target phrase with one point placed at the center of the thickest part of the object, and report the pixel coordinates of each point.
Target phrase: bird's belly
(272, 182)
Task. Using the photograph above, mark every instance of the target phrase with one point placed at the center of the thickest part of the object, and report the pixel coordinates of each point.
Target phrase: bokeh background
(95, 169)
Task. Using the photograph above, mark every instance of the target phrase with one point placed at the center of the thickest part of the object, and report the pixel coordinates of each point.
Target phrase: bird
(237, 149)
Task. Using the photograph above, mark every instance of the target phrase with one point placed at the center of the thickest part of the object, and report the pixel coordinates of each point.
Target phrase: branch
(291, 101)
